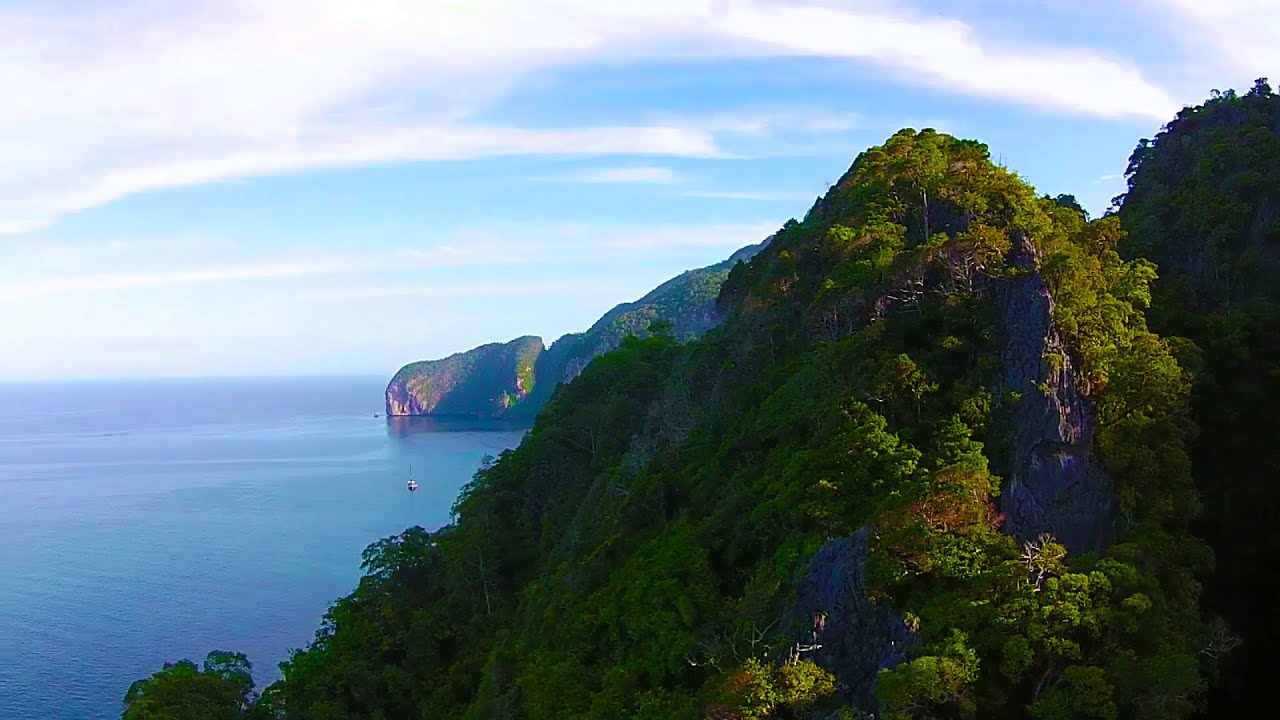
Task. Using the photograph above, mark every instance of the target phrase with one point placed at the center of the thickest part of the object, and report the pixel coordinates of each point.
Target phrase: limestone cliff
(489, 381)
(1053, 483)
(850, 635)
(1053, 480)
(516, 379)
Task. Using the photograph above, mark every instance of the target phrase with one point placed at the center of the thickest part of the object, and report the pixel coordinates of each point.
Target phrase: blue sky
(278, 187)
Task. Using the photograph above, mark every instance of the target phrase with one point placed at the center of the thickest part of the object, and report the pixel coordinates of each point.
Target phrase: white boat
(412, 484)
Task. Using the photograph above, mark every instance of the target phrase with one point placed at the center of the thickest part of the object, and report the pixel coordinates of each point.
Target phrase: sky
(279, 187)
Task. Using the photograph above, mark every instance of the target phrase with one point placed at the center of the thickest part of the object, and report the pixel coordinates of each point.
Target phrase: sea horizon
(198, 378)
(138, 528)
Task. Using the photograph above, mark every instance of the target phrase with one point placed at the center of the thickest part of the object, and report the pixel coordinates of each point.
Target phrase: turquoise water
(144, 522)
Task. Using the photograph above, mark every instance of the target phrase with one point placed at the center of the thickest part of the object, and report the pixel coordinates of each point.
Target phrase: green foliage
(1203, 202)
(923, 686)
(1083, 693)
(488, 380)
(220, 690)
(637, 556)
(757, 690)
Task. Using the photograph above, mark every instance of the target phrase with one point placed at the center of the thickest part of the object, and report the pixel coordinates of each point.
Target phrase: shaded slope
(1204, 203)
(686, 301)
(684, 530)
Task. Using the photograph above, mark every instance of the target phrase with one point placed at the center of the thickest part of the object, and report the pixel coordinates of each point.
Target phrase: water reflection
(403, 426)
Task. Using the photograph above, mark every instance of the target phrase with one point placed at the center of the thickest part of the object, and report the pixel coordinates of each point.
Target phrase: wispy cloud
(1219, 24)
(728, 236)
(561, 244)
(19, 226)
(606, 287)
(97, 282)
(1109, 177)
(651, 174)
(947, 53)
(72, 283)
(355, 146)
(769, 121)
(760, 195)
(121, 99)
(276, 268)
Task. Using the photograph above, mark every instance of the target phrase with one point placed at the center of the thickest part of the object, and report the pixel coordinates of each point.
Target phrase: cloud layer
(652, 174)
(487, 249)
(145, 96)
(1243, 34)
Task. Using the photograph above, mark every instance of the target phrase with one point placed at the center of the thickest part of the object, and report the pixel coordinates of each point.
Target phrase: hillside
(488, 380)
(1204, 203)
(516, 379)
(931, 465)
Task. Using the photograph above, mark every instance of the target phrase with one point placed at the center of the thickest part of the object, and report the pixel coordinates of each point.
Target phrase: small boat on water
(412, 484)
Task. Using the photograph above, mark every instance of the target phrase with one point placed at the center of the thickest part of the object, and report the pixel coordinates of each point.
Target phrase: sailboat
(412, 484)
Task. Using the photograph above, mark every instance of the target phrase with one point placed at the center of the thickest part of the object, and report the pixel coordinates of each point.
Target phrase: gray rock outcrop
(1053, 482)
(856, 637)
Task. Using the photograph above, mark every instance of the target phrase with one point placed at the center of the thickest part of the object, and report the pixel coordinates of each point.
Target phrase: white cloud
(760, 195)
(571, 242)
(356, 146)
(633, 174)
(544, 244)
(1244, 36)
(18, 225)
(97, 282)
(141, 96)
(444, 291)
(769, 121)
(277, 268)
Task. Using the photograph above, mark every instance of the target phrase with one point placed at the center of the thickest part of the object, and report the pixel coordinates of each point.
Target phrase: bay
(149, 521)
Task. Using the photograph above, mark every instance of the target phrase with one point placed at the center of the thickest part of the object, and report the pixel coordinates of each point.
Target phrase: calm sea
(144, 522)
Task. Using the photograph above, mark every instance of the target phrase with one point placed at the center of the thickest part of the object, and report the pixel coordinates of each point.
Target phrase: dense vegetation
(687, 302)
(1204, 203)
(220, 690)
(645, 552)
(516, 379)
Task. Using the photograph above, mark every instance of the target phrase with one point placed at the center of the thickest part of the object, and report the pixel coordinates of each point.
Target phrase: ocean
(149, 521)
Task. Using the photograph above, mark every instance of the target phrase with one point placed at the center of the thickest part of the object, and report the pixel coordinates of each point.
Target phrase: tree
(221, 690)
(1069, 201)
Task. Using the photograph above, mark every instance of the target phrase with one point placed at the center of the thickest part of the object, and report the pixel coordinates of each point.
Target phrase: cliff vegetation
(933, 463)
(1204, 203)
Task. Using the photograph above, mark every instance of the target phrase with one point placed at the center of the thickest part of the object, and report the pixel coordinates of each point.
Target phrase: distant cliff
(488, 380)
(516, 379)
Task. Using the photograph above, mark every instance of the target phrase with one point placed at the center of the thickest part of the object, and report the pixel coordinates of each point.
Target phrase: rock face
(487, 381)
(1053, 481)
(856, 638)
(516, 379)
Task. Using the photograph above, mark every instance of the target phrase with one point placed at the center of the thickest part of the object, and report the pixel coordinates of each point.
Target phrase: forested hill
(1204, 203)
(516, 379)
(932, 464)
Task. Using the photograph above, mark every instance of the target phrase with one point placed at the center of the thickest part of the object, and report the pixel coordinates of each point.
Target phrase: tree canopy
(1204, 204)
(640, 554)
